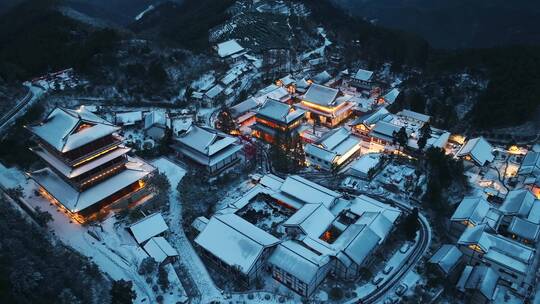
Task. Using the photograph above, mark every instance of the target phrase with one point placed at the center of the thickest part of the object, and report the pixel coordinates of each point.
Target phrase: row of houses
(325, 233)
(495, 253)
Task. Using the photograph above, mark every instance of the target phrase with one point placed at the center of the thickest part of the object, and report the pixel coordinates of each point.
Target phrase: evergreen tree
(163, 278)
(410, 225)
(277, 155)
(122, 292)
(400, 137)
(297, 156)
(225, 122)
(425, 134)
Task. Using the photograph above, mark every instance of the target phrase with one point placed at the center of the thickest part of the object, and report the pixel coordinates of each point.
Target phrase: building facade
(88, 169)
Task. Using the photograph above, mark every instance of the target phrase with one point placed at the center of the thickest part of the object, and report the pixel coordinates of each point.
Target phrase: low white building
(160, 250)
(364, 165)
(477, 150)
(510, 259)
(363, 79)
(156, 124)
(128, 118)
(229, 48)
(148, 227)
(236, 245)
(333, 149)
(213, 150)
(298, 267)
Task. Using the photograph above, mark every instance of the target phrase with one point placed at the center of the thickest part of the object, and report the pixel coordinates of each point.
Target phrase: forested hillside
(33, 270)
(456, 23)
(35, 38)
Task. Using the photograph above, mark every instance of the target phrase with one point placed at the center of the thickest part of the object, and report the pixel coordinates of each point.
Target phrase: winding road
(418, 251)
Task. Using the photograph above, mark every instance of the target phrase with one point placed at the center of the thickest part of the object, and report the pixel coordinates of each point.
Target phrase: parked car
(401, 289)
(377, 279)
(388, 269)
(405, 247)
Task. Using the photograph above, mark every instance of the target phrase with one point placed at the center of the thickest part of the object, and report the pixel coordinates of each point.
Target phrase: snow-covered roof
(371, 118)
(497, 248)
(322, 78)
(518, 202)
(61, 128)
(76, 201)
(228, 48)
(71, 172)
(321, 95)
(479, 149)
(472, 209)
(214, 91)
(391, 96)
(524, 229)
(363, 75)
(312, 219)
(481, 278)
(128, 118)
(384, 130)
(298, 260)
(279, 111)
(148, 227)
(447, 257)
(364, 204)
(181, 124)
(287, 80)
(530, 164)
(365, 163)
(243, 107)
(302, 84)
(333, 144)
(206, 141)
(235, 241)
(271, 181)
(154, 118)
(159, 249)
(408, 114)
(308, 192)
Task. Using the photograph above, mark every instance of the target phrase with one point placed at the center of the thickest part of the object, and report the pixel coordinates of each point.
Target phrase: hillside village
(313, 187)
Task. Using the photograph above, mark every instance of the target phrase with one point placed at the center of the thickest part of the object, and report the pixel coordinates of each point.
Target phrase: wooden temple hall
(88, 170)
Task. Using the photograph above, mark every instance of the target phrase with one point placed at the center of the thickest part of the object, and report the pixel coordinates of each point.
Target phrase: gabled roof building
(333, 149)
(236, 244)
(324, 106)
(275, 119)
(88, 167)
(477, 150)
(215, 151)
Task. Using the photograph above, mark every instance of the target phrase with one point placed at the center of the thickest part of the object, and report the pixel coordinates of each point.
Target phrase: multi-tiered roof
(87, 162)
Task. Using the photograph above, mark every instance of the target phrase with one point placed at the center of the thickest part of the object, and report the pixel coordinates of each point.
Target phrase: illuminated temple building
(88, 170)
(276, 119)
(325, 107)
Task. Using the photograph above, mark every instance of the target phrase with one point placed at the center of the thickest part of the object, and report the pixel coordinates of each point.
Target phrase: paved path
(418, 251)
(32, 93)
(189, 259)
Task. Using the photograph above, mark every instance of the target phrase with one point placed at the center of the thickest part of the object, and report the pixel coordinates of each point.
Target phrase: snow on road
(188, 257)
(118, 260)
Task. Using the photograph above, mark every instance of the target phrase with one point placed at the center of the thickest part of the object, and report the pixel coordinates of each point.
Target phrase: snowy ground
(188, 257)
(109, 245)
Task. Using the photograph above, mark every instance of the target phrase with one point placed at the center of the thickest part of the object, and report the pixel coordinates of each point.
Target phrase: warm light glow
(77, 218)
(476, 248)
(460, 139)
(95, 156)
(322, 108)
(105, 173)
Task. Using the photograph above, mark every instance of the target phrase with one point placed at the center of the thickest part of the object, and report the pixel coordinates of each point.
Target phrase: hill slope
(456, 23)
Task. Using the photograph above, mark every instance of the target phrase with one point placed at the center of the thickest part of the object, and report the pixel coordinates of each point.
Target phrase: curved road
(418, 251)
(11, 113)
